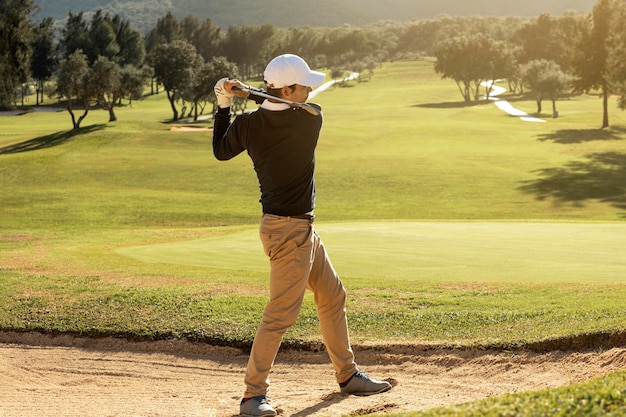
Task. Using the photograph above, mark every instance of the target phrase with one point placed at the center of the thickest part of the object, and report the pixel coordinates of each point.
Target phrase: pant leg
(289, 244)
(330, 298)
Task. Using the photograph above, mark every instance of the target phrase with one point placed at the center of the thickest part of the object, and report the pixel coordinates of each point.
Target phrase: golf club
(311, 109)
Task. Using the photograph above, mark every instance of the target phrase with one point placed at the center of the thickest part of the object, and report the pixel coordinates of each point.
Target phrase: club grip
(250, 90)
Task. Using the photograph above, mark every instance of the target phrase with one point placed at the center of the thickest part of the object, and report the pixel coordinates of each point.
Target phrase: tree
(469, 60)
(248, 47)
(74, 35)
(617, 55)
(131, 43)
(344, 45)
(166, 30)
(569, 32)
(546, 80)
(15, 47)
(590, 65)
(73, 85)
(133, 80)
(452, 63)
(201, 89)
(302, 41)
(418, 36)
(107, 36)
(175, 67)
(554, 83)
(102, 38)
(44, 60)
(501, 62)
(548, 37)
(205, 36)
(105, 78)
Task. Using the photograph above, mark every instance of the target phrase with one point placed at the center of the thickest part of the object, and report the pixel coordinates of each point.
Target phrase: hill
(143, 14)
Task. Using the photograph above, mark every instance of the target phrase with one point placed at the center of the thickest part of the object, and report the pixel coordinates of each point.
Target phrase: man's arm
(223, 148)
(225, 143)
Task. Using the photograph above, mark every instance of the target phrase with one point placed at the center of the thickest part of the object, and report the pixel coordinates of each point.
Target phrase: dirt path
(65, 376)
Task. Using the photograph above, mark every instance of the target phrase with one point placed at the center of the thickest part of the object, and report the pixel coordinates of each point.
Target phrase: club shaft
(261, 93)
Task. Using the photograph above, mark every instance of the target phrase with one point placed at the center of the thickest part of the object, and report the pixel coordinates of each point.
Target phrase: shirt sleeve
(225, 140)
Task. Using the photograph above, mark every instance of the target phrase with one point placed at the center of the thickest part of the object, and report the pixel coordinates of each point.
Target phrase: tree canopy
(15, 52)
(587, 47)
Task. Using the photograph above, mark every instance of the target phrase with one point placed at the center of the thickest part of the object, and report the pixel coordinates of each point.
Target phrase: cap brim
(313, 79)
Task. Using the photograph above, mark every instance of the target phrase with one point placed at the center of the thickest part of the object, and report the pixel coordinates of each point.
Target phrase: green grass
(435, 251)
(450, 224)
(604, 397)
(410, 150)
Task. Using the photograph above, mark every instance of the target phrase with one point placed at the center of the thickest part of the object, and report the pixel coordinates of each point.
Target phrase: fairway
(484, 252)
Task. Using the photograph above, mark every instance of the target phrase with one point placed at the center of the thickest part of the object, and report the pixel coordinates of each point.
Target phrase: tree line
(551, 56)
(105, 60)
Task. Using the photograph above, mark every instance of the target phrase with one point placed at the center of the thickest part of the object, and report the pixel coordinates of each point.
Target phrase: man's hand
(224, 91)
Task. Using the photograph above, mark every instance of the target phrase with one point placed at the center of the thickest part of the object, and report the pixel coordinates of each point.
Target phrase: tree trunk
(37, 90)
(81, 118)
(489, 88)
(112, 116)
(464, 89)
(170, 97)
(605, 104)
(477, 91)
(538, 105)
(69, 109)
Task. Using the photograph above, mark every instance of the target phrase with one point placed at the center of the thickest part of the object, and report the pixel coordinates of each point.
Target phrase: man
(281, 140)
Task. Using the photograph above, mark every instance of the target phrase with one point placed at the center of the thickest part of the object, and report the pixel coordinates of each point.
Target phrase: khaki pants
(298, 261)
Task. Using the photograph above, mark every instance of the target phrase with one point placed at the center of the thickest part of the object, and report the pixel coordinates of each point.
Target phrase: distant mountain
(143, 14)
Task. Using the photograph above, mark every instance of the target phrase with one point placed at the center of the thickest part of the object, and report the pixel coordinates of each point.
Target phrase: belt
(307, 216)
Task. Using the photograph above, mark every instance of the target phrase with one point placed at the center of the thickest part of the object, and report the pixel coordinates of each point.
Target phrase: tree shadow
(572, 136)
(531, 98)
(601, 177)
(452, 104)
(346, 84)
(49, 141)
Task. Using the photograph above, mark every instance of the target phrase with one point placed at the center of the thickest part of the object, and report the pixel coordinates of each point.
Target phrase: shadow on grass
(601, 177)
(571, 136)
(49, 141)
(452, 104)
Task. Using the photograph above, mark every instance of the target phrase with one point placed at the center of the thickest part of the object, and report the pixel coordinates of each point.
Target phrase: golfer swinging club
(281, 141)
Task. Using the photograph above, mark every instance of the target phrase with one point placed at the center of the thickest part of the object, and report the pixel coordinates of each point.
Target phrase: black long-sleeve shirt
(282, 146)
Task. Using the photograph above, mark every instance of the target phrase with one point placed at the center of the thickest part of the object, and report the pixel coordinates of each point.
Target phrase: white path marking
(505, 105)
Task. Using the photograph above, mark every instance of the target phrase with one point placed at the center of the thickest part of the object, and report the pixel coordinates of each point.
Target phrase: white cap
(286, 70)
